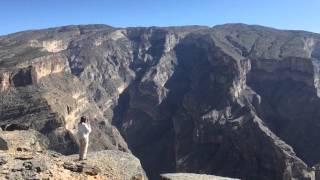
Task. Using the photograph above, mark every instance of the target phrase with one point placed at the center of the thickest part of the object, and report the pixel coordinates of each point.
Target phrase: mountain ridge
(192, 99)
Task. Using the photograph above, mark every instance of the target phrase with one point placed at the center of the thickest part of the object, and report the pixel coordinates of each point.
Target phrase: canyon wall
(233, 100)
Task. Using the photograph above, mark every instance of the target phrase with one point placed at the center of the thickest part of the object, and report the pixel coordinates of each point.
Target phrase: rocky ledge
(190, 176)
(107, 164)
(29, 159)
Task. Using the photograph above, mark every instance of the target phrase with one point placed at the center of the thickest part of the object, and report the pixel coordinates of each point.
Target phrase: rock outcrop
(105, 164)
(190, 176)
(30, 140)
(26, 157)
(38, 91)
(232, 100)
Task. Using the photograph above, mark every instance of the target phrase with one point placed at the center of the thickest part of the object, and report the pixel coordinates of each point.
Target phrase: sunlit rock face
(5, 82)
(54, 46)
(38, 91)
(233, 100)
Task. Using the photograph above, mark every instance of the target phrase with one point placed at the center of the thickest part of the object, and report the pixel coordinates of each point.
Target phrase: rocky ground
(190, 176)
(231, 100)
(106, 164)
(27, 159)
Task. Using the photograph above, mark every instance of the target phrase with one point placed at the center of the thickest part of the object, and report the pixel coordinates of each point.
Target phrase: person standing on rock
(84, 129)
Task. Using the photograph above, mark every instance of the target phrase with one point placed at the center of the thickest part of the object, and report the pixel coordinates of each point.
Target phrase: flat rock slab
(77, 167)
(190, 176)
(24, 157)
(114, 162)
(107, 164)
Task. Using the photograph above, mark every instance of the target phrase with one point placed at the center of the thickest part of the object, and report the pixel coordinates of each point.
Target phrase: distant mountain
(232, 100)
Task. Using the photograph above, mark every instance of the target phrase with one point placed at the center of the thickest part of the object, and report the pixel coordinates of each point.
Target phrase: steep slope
(233, 100)
(285, 74)
(39, 91)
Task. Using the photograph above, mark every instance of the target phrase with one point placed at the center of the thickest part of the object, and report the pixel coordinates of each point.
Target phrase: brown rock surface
(28, 158)
(113, 165)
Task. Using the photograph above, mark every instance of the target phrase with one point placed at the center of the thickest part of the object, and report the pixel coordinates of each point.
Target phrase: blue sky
(17, 15)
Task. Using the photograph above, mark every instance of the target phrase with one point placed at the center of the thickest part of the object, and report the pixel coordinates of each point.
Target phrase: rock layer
(233, 100)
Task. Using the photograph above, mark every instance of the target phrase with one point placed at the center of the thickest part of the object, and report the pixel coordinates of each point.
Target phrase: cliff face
(233, 100)
(38, 91)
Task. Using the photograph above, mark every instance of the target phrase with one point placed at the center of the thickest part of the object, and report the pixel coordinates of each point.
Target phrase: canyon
(231, 100)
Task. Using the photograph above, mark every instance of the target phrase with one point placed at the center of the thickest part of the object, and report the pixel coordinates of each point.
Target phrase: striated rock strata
(232, 100)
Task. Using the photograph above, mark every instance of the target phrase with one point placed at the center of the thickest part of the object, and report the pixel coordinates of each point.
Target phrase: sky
(18, 15)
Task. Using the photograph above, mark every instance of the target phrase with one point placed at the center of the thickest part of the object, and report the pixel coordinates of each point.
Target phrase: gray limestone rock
(190, 176)
(233, 100)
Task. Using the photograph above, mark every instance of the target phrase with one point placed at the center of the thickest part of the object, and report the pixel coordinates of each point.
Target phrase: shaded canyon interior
(231, 100)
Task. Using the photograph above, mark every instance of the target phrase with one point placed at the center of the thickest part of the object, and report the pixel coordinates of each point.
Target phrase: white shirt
(84, 130)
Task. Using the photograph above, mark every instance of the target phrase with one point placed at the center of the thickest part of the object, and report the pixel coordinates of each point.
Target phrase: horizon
(232, 23)
(35, 14)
